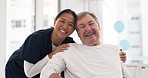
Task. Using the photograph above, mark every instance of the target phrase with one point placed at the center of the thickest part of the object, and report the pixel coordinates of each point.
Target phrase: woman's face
(64, 25)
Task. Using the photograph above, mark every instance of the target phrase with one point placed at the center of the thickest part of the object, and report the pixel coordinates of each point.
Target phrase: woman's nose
(65, 26)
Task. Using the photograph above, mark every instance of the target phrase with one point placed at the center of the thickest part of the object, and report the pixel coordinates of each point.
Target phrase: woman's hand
(122, 56)
(60, 48)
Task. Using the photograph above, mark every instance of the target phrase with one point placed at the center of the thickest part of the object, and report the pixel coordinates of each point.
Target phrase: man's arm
(125, 71)
(53, 68)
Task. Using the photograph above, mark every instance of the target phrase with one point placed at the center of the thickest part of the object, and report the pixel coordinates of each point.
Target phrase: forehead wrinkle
(90, 21)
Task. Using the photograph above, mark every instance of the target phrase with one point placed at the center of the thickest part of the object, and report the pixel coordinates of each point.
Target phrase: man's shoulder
(74, 48)
(76, 45)
(109, 45)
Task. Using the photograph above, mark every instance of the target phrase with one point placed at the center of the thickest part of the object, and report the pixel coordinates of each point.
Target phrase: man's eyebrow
(90, 21)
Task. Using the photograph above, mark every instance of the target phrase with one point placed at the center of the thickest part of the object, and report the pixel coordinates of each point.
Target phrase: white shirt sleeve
(125, 71)
(55, 65)
(34, 69)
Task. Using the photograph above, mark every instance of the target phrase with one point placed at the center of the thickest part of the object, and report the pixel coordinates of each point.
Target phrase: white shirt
(82, 61)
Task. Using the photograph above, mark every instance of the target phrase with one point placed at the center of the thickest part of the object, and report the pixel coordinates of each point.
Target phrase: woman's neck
(55, 39)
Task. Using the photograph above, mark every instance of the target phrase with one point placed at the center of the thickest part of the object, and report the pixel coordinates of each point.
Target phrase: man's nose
(87, 27)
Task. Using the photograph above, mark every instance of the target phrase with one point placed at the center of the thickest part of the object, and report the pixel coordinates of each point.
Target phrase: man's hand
(122, 56)
(55, 75)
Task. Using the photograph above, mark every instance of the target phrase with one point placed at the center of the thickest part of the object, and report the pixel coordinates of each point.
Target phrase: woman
(31, 57)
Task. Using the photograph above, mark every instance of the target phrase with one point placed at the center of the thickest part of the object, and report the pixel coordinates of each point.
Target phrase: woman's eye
(71, 25)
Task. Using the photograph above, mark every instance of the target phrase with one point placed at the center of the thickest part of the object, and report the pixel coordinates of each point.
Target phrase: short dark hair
(67, 11)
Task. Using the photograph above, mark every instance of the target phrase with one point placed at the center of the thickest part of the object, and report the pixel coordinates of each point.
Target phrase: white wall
(109, 17)
(39, 14)
(138, 71)
(144, 23)
(76, 5)
(2, 36)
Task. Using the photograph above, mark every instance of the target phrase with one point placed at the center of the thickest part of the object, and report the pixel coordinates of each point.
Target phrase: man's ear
(77, 33)
(99, 27)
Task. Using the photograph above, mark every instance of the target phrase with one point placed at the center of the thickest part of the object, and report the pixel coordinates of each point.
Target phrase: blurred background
(123, 23)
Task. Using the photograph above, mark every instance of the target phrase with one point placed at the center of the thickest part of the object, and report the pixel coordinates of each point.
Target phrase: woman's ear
(54, 23)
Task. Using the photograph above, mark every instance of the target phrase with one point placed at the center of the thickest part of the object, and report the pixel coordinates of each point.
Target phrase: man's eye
(91, 24)
(81, 26)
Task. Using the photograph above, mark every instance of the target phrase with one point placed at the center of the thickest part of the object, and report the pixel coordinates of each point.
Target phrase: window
(18, 23)
(25, 17)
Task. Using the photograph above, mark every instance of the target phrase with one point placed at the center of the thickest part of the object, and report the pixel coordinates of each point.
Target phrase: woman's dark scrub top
(35, 48)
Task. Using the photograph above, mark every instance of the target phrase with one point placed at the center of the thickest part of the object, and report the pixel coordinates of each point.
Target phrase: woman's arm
(34, 69)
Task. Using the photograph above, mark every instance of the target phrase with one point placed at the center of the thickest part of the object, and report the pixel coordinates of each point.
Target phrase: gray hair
(82, 14)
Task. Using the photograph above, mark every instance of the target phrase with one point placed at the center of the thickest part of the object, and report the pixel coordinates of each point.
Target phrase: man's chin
(90, 43)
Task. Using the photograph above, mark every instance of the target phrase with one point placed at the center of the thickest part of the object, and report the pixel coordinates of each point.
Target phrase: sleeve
(68, 40)
(54, 65)
(32, 48)
(34, 69)
(125, 72)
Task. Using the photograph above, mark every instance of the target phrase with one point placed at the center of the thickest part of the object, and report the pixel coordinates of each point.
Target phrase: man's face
(88, 30)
